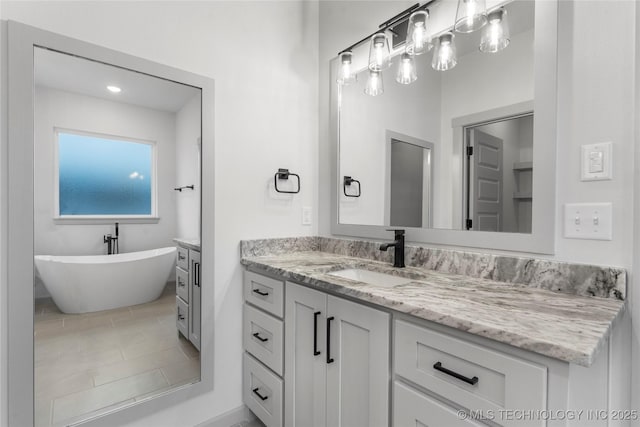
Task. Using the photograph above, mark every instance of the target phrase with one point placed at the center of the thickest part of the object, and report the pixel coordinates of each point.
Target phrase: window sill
(100, 220)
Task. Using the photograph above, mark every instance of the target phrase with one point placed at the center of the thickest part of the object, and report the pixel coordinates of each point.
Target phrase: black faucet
(112, 242)
(398, 244)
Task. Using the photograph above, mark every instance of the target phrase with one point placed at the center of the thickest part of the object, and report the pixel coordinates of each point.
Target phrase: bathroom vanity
(332, 339)
(188, 290)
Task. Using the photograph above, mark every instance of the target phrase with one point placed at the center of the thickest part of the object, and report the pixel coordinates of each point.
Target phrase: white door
(194, 298)
(305, 357)
(358, 365)
(487, 181)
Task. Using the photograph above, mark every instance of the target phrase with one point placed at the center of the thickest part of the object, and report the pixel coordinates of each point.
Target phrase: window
(103, 176)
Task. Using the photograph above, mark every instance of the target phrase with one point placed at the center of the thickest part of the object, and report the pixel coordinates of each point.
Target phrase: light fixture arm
(389, 23)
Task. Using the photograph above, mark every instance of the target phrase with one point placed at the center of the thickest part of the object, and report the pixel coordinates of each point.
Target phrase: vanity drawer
(182, 284)
(263, 337)
(489, 380)
(264, 292)
(183, 258)
(262, 392)
(182, 317)
(411, 408)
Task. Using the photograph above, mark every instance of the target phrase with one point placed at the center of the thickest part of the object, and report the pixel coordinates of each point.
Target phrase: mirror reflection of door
(498, 169)
(409, 199)
(110, 146)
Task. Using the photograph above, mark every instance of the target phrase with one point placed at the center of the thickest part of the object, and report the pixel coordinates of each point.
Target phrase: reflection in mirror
(499, 169)
(110, 147)
(430, 109)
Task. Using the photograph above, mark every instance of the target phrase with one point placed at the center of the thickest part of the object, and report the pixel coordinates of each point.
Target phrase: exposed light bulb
(114, 89)
(495, 35)
(444, 55)
(379, 52)
(471, 15)
(374, 84)
(417, 38)
(406, 70)
(346, 74)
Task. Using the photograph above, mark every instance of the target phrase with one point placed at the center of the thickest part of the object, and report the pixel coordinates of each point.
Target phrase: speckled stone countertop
(564, 326)
(188, 243)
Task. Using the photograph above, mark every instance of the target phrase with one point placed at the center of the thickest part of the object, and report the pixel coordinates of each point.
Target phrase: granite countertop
(563, 326)
(188, 243)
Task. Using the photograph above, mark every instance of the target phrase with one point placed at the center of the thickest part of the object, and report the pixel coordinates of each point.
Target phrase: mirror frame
(18, 150)
(542, 238)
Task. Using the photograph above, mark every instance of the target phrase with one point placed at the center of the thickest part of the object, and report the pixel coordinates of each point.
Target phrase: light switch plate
(596, 162)
(591, 221)
(306, 216)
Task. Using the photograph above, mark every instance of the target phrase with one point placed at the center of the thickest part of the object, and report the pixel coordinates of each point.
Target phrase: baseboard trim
(230, 418)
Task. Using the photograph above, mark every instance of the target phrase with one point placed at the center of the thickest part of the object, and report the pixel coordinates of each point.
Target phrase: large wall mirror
(111, 160)
(452, 156)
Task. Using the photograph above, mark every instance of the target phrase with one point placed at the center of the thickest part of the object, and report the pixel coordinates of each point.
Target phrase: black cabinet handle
(196, 279)
(180, 317)
(255, 391)
(315, 333)
(438, 367)
(259, 292)
(329, 358)
(257, 335)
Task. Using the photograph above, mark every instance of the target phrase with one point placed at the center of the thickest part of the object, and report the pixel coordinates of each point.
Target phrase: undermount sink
(371, 277)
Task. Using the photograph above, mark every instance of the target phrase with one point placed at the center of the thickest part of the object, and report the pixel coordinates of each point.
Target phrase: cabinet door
(194, 298)
(358, 376)
(305, 358)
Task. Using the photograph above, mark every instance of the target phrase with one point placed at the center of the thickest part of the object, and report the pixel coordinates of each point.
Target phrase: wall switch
(306, 216)
(588, 221)
(596, 162)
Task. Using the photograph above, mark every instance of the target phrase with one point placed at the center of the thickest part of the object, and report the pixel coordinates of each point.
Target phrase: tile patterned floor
(90, 363)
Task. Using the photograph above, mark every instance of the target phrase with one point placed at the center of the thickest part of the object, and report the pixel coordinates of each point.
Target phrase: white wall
(58, 109)
(188, 169)
(263, 57)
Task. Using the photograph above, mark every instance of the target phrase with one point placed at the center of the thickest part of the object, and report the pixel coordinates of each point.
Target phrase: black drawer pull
(257, 335)
(259, 292)
(315, 333)
(329, 358)
(180, 317)
(438, 367)
(255, 391)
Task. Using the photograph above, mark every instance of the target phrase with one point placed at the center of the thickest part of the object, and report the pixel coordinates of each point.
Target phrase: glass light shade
(418, 41)
(471, 15)
(346, 73)
(444, 55)
(374, 84)
(495, 35)
(379, 52)
(406, 70)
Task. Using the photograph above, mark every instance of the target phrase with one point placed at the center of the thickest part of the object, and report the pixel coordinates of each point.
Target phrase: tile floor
(95, 362)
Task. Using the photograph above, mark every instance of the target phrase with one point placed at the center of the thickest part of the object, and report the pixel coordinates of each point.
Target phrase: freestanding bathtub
(82, 284)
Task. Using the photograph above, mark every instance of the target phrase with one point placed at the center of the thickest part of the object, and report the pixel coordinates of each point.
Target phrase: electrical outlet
(591, 221)
(306, 216)
(597, 162)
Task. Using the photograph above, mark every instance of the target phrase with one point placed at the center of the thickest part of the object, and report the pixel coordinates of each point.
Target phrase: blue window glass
(101, 176)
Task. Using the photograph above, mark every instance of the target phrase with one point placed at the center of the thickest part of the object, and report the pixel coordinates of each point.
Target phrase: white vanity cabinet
(472, 377)
(188, 291)
(336, 361)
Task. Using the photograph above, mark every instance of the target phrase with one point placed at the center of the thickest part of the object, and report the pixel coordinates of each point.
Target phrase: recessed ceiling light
(114, 89)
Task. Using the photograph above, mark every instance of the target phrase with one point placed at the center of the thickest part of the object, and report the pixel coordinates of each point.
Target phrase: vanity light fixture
(347, 74)
(374, 84)
(418, 41)
(471, 15)
(495, 35)
(444, 54)
(379, 52)
(114, 89)
(406, 69)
